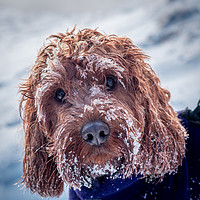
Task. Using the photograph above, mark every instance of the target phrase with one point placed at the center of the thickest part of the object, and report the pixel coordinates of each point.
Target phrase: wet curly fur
(146, 137)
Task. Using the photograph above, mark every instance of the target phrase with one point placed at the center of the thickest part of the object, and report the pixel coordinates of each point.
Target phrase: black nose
(95, 133)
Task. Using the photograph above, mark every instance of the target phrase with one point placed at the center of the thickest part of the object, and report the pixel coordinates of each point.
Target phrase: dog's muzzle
(95, 132)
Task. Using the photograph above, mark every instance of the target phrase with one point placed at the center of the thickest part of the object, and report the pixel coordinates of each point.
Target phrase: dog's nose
(95, 133)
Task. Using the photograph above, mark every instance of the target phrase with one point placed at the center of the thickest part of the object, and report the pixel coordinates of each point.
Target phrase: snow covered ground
(167, 30)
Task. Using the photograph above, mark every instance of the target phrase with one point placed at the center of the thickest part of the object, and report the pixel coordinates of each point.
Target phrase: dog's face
(93, 107)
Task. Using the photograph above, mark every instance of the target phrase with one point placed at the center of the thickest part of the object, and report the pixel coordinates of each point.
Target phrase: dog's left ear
(40, 173)
(163, 142)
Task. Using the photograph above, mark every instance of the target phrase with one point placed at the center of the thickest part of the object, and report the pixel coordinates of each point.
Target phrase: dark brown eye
(59, 95)
(111, 82)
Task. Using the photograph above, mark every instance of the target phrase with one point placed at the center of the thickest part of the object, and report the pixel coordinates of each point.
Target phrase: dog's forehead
(97, 62)
(93, 64)
(88, 68)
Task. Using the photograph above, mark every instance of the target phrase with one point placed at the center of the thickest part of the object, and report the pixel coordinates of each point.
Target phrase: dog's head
(93, 107)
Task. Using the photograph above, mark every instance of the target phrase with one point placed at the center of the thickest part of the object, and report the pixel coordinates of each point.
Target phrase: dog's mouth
(95, 173)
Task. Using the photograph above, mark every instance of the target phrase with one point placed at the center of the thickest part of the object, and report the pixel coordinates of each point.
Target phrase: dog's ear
(163, 140)
(39, 169)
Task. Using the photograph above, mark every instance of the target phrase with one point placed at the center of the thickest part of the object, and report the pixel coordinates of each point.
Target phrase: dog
(96, 118)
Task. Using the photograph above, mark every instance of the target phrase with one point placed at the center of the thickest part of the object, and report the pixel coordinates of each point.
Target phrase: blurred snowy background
(167, 30)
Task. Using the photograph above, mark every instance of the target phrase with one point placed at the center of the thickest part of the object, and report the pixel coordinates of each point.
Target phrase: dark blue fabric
(183, 185)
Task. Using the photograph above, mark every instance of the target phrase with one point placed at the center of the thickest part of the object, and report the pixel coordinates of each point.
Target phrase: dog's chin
(97, 172)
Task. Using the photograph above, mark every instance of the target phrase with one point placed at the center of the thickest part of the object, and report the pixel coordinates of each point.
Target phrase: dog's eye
(59, 95)
(110, 82)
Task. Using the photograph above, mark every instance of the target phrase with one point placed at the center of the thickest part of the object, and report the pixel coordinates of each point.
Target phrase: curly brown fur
(145, 134)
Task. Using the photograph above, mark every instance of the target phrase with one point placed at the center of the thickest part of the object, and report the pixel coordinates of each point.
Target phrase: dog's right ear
(39, 169)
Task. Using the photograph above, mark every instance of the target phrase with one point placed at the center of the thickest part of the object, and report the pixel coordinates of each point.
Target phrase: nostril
(102, 134)
(90, 137)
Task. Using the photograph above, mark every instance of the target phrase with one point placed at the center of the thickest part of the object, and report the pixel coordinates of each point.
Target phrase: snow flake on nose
(88, 108)
(96, 90)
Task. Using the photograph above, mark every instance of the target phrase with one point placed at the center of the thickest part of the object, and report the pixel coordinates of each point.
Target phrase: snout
(95, 133)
